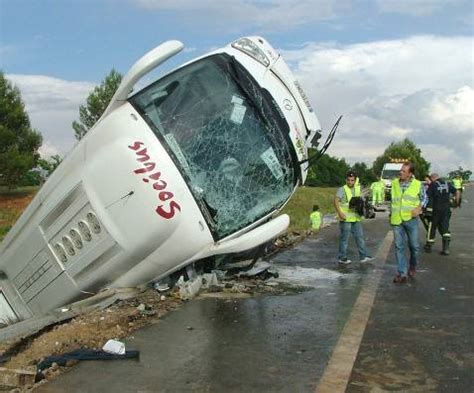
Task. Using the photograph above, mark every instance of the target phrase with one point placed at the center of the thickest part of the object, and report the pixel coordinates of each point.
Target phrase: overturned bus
(196, 164)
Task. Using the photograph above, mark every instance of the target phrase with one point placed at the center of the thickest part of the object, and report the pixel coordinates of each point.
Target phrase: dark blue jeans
(407, 230)
(356, 229)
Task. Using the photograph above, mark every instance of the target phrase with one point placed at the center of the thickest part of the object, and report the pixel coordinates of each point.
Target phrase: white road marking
(338, 371)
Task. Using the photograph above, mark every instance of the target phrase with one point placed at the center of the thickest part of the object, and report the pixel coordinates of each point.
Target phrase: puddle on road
(307, 277)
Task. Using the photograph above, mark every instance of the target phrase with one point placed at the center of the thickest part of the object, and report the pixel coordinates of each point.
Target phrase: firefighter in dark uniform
(438, 211)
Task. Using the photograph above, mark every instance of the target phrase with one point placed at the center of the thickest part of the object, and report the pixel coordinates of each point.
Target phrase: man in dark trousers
(438, 208)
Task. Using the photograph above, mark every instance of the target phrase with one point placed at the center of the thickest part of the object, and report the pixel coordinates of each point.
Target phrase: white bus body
(196, 164)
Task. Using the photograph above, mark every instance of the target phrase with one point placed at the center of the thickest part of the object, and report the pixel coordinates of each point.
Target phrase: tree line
(21, 164)
(331, 171)
(20, 161)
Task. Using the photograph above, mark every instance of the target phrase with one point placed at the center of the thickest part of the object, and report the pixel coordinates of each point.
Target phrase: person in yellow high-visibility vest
(378, 189)
(457, 183)
(316, 218)
(408, 197)
(349, 220)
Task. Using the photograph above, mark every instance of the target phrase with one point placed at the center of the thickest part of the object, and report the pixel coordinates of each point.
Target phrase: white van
(390, 171)
(196, 164)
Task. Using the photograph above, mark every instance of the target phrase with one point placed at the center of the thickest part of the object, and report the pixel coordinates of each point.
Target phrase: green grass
(301, 205)
(19, 191)
(7, 219)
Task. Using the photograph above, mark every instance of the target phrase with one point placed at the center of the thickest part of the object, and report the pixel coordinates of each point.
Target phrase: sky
(394, 69)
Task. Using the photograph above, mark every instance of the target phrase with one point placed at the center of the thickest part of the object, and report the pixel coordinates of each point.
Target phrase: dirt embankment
(11, 206)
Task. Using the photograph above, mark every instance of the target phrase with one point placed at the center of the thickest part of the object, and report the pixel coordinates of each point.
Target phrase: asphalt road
(350, 330)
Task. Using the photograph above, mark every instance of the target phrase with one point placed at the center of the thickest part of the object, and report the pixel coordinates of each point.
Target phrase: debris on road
(64, 360)
(17, 378)
(114, 346)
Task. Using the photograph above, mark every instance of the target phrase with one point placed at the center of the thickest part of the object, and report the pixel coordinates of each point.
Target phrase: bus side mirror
(142, 67)
(253, 238)
(312, 140)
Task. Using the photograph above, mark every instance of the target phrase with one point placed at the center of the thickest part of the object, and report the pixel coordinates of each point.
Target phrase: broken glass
(226, 136)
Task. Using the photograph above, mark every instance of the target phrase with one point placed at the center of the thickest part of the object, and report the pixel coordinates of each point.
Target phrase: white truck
(196, 164)
(390, 171)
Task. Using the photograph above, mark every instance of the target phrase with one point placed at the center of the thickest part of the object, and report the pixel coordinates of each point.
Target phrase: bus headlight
(250, 48)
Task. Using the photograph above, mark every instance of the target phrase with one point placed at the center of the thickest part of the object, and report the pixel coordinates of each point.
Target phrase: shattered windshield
(226, 136)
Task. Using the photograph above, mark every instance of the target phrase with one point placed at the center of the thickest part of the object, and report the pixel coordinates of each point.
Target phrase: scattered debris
(189, 289)
(82, 354)
(17, 378)
(257, 269)
(114, 346)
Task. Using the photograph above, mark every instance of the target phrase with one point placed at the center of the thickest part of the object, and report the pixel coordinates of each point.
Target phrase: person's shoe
(412, 272)
(445, 247)
(344, 261)
(367, 259)
(427, 248)
(399, 279)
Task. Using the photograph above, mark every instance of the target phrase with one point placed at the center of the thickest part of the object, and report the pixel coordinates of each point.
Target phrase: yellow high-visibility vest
(377, 186)
(351, 215)
(315, 218)
(404, 203)
(457, 183)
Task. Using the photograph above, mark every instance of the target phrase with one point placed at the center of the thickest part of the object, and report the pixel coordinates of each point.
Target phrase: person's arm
(456, 193)
(423, 200)
(339, 212)
(417, 211)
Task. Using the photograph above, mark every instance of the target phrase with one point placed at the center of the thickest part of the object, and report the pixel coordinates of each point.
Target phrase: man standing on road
(407, 199)
(377, 188)
(349, 220)
(438, 208)
(457, 183)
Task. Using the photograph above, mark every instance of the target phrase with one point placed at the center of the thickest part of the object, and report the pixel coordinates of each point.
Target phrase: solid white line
(338, 371)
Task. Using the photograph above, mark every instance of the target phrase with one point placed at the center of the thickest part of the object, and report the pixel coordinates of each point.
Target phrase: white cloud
(420, 87)
(413, 7)
(267, 14)
(52, 105)
(47, 150)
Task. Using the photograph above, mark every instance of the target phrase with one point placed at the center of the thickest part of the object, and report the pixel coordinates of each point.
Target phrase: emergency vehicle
(196, 164)
(390, 171)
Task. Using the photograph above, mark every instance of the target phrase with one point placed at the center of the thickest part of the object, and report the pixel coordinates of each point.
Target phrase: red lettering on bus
(149, 166)
(136, 145)
(144, 157)
(166, 211)
(168, 214)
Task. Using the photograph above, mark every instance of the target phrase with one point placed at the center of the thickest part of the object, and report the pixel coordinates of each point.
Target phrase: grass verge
(301, 205)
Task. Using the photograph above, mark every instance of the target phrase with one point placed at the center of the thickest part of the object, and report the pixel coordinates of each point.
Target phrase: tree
(405, 150)
(465, 174)
(48, 166)
(327, 171)
(365, 174)
(51, 164)
(19, 143)
(96, 104)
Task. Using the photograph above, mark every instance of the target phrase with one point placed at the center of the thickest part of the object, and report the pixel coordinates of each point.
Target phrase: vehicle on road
(390, 171)
(196, 164)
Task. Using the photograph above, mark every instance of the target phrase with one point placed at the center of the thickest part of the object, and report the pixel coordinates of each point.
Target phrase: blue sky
(395, 69)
